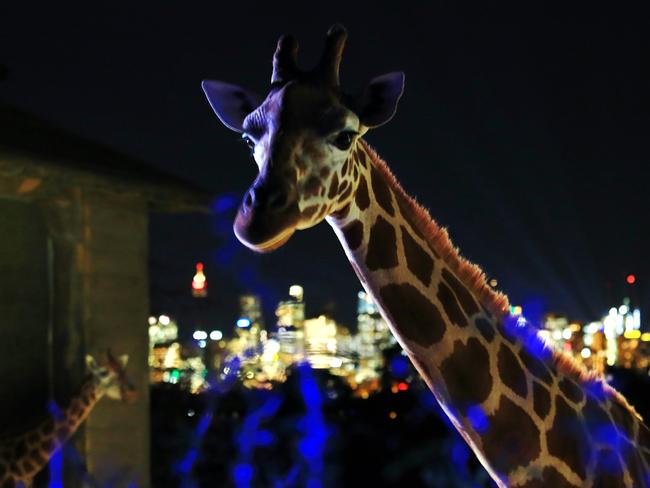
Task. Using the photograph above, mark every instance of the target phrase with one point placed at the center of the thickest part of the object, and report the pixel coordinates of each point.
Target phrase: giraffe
(24, 454)
(532, 415)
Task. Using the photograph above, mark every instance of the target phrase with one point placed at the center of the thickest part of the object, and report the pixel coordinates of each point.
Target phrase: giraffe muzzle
(268, 216)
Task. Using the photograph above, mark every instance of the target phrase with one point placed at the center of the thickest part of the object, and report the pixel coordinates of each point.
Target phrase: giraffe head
(111, 379)
(302, 137)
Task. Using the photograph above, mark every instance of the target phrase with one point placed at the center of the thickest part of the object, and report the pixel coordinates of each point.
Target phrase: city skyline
(348, 316)
(264, 356)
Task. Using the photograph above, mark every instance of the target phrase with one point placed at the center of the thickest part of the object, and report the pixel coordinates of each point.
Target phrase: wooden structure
(74, 280)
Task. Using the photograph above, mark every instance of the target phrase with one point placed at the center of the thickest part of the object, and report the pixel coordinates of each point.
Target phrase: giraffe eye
(248, 141)
(344, 139)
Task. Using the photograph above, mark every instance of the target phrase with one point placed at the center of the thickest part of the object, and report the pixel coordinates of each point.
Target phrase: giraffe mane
(571, 367)
(473, 277)
(469, 273)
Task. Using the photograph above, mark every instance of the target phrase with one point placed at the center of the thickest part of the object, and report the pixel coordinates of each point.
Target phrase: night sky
(525, 132)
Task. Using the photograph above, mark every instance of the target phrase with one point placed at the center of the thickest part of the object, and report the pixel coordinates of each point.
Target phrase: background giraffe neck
(496, 381)
(26, 454)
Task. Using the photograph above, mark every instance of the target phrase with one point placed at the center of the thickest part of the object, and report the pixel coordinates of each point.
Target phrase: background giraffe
(532, 416)
(23, 455)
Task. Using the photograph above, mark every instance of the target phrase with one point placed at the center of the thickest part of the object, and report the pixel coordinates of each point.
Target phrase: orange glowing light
(631, 279)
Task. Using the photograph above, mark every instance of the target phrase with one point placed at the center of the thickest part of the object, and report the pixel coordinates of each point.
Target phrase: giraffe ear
(378, 102)
(231, 103)
(90, 363)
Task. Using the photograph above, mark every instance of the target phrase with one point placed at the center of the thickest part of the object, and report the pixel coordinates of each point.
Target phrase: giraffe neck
(24, 455)
(502, 389)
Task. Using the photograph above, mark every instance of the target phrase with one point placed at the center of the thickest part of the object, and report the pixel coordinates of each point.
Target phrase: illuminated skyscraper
(250, 308)
(167, 361)
(250, 323)
(162, 330)
(199, 283)
(291, 318)
(373, 336)
(320, 342)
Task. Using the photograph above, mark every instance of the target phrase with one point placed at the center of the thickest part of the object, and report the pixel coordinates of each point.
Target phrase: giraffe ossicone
(25, 453)
(532, 416)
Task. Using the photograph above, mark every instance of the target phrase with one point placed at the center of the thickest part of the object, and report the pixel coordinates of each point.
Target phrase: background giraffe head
(303, 137)
(111, 379)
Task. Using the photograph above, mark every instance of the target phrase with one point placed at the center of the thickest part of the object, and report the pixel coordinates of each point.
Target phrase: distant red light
(402, 386)
(199, 266)
(567, 346)
(630, 279)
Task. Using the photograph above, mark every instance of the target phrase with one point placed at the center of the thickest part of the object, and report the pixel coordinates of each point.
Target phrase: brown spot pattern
(567, 439)
(485, 328)
(417, 260)
(414, 315)
(486, 311)
(353, 233)
(464, 296)
(610, 471)
(362, 158)
(27, 466)
(383, 195)
(511, 439)
(450, 304)
(541, 400)
(324, 172)
(467, 374)
(334, 187)
(62, 432)
(20, 449)
(406, 213)
(382, 248)
(506, 333)
(312, 187)
(635, 468)
(341, 214)
(37, 457)
(571, 390)
(362, 198)
(536, 367)
(510, 371)
(345, 194)
(596, 418)
(623, 419)
(346, 167)
(309, 212)
(550, 477)
(301, 164)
